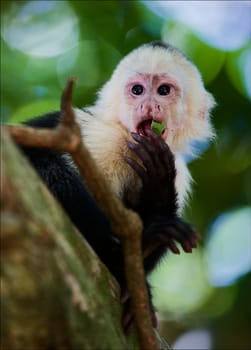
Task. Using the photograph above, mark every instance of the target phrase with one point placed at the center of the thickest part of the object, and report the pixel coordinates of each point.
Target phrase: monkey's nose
(150, 108)
(155, 109)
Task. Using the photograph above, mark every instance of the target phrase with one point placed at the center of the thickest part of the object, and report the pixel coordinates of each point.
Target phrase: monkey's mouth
(146, 125)
(143, 126)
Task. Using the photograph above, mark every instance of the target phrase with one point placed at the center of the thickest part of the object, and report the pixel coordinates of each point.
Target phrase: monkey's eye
(164, 89)
(137, 89)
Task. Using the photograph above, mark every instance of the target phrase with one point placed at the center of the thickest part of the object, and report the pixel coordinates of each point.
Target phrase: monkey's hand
(158, 199)
(158, 195)
(163, 234)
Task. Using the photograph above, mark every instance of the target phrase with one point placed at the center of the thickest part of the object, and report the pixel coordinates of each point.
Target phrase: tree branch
(126, 223)
(55, 292)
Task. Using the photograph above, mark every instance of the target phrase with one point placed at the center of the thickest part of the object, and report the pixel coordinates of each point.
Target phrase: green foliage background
(107, 30)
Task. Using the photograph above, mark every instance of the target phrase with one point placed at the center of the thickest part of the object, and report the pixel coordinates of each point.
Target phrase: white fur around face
(106, 130)
(189, 117)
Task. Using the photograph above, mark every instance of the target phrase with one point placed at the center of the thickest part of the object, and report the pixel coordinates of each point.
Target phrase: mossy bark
(55, 292)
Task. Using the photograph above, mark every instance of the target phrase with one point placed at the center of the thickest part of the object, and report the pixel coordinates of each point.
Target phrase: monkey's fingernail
(187, 248)
(151, 133)
(131, 145)
(196, 236)
(127, 159)
(193, 242)
(127, 320)
(124, 297)
(134, 134)
(136, 137)
(174, 248)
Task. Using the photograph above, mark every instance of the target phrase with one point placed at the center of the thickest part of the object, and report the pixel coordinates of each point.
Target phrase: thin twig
(126, 223)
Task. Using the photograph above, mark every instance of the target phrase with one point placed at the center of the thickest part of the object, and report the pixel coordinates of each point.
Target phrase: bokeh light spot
(40, 28)
(196, 339)
(239, 70)
(88, 62)
(224, 25)
(228, 250)
(180, 284)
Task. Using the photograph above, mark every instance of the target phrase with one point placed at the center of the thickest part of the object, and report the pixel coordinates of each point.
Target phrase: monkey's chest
(109, 155)
(122, 179)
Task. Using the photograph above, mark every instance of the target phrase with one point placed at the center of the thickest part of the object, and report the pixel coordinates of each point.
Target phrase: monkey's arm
(158, 199)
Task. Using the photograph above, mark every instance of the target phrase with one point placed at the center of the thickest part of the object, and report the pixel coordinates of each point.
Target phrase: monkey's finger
(127, 318)
(124, 296)
(143, 156)
(171, 244)
(168, 242)
(127, 321)
(173, 247)
(164, 158)
(188, 232)
(193, 241)
(186, 246)
(149, 147)
(155, 151)
(135, 166)
(186, 239)
(196, 237)
(167, 160)
(157, 141)
(182, 239)
(171, 232)
(155, 243)
(164, 150)
(144, 141)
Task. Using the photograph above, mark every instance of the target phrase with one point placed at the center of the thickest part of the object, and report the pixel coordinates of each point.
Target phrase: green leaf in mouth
(158, 127)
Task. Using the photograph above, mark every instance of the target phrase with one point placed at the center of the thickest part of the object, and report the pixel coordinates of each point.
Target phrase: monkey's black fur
(167, 46)
(157, 206)
(68, 188)
(158, 43)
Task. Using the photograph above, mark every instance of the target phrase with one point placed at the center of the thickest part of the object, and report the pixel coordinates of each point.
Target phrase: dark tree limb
(126, 223)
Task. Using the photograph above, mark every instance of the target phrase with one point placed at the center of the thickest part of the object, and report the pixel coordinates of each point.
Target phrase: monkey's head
(157, 82)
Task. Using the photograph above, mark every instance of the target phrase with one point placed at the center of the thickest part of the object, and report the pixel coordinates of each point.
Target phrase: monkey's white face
(149, 97)
(158, 84)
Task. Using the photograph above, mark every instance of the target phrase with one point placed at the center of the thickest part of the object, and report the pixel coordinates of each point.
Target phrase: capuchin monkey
(154, 82)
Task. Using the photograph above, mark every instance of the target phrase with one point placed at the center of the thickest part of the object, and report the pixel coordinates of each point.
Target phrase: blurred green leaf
(208, 60)
(239, 70)
(35, 108)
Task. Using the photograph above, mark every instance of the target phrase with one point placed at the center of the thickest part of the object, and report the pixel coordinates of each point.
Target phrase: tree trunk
(55, 292)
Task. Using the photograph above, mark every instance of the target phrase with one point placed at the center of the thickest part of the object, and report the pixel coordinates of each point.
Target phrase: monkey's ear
(197, 124)
(207, 105)
(206, 129)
